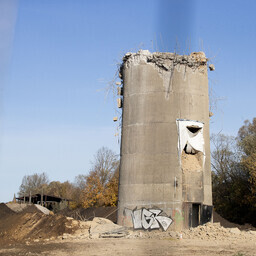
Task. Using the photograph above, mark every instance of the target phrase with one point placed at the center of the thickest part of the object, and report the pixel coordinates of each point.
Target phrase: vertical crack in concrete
(170, 82)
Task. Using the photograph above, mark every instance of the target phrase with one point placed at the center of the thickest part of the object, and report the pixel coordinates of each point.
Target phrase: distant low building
(48, 201)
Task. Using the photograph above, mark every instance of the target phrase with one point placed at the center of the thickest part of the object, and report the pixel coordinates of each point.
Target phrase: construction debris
(31, 225)
(104, 228)
(217, 232)
(211, 67)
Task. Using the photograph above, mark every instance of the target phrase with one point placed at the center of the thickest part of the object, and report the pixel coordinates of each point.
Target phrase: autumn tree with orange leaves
(101, 187)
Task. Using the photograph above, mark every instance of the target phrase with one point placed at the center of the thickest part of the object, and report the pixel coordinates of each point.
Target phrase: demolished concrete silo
(165, 175)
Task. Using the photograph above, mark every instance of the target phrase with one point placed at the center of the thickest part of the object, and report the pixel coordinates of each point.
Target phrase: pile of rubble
(19, 224)
(26, 207)
(31, 223)
(216, 232)
(97, 228)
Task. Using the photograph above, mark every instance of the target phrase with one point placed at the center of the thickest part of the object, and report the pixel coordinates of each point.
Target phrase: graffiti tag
(149, 219)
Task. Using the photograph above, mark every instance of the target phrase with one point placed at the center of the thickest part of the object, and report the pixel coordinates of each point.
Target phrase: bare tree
(223, 155)
(80, 181)
(105, 163)
(230, 181)
(33, 183)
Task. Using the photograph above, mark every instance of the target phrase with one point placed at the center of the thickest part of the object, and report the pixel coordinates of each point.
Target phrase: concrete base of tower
(149, 217)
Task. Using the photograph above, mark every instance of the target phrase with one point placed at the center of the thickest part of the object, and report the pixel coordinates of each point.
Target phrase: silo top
(165, 61)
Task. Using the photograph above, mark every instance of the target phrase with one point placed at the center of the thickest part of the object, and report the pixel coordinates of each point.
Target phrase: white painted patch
(136, 217)
(164, 221)
(194, 142)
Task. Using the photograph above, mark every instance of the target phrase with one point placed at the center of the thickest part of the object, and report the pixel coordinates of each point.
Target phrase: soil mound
(217, 232)
(31, 209)
(31, 224)
(5, 211)
(89, 213)
(227, 224)
(42, 209)
(27, 208)
(16, 207)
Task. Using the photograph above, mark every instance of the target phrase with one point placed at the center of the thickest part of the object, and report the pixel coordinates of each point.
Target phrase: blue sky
(57, 56)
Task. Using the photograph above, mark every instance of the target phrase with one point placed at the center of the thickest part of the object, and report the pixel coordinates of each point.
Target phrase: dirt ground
(30, 232)
(122, 246)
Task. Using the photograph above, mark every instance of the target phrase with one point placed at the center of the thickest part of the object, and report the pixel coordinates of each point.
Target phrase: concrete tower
(165, 172)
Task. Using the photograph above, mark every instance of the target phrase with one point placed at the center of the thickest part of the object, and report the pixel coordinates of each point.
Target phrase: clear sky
(58, 56)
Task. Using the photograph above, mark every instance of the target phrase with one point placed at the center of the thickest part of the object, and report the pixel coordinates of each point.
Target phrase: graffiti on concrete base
(148, 219)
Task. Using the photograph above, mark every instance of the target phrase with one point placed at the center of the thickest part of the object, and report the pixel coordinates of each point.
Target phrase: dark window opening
(195, 215)
(193, 129)
(206, 214)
